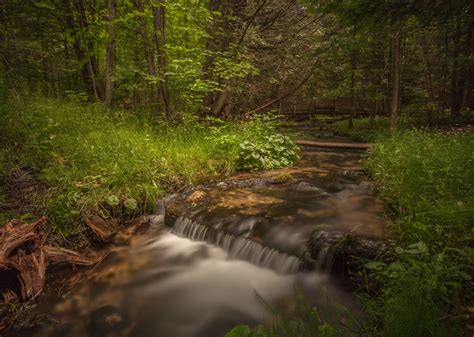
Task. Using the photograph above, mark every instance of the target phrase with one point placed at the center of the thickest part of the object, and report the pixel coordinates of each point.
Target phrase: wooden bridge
(309, 109)
(303, 114)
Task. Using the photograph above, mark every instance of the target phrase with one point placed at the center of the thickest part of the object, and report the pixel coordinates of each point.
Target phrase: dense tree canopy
(231, 57)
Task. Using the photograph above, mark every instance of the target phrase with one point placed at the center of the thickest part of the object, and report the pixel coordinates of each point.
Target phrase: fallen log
(334, 145)
(24, 258)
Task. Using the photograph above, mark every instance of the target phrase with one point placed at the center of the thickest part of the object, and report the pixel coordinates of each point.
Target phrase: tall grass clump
(112, 162)
(428, 179)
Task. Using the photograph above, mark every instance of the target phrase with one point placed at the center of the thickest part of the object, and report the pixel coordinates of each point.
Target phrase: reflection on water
(171, 286)
(327, 191)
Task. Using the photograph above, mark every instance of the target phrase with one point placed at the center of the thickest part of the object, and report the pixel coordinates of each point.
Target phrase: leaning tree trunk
(396, 64)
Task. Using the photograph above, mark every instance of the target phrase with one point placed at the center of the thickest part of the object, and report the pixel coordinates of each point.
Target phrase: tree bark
(396, 64)
(353, 104)
(456, 92)
(150, 60)
(110, 55)
(76, 45)
(92, 64)
(159, 17)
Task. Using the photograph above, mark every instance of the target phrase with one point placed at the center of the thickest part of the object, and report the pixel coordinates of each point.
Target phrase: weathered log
(103, 229)
(58, 255)
(334, 145)
(24, 258)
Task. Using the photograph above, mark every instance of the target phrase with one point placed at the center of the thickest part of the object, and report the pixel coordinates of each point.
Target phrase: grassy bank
(86, 158)
(427, 179)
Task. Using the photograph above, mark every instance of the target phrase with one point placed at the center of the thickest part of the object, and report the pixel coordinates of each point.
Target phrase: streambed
(230, 256)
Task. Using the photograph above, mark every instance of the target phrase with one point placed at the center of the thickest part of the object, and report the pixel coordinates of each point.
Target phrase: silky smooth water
(225, 262)
(171, 286)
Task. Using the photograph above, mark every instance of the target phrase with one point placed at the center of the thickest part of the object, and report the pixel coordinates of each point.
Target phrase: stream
(239, 249)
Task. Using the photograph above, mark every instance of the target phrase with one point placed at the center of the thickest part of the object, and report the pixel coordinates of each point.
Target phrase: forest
(238, 168)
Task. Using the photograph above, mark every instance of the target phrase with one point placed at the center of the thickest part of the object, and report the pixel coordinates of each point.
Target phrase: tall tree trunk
(150, 60)
(92, 64)
(71, 25)
(467, 67)
(110, 54)
(353, 103)
(456, 92)
(429, 82)
(444, 71)
(396, 64)
(213, 6)
(159, 17)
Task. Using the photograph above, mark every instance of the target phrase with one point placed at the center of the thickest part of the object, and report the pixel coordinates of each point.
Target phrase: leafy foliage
(257, 146)
(271, 152)
(428, 180)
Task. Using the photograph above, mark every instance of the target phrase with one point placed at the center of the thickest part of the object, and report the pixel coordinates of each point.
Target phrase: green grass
(427, 179)
(113, 162)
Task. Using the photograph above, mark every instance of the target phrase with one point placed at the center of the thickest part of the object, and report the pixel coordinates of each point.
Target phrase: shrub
(271, 152)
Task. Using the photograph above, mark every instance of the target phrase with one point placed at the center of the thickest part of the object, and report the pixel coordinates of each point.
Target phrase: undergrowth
(116, 163)
(427, 179)
(364, 129)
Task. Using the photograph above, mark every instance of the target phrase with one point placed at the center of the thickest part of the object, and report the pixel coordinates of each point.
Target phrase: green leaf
(374, 265)
(131, 204)
(239, 331)
(113, 200)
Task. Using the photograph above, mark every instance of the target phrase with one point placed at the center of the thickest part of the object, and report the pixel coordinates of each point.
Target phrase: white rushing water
(238, 247)
(171, 286)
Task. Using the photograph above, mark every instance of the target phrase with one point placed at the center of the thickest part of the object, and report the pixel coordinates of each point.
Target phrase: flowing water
(226, 261)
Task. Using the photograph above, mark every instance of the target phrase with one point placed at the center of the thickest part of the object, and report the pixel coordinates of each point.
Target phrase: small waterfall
(325, 259)
(238, 247)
